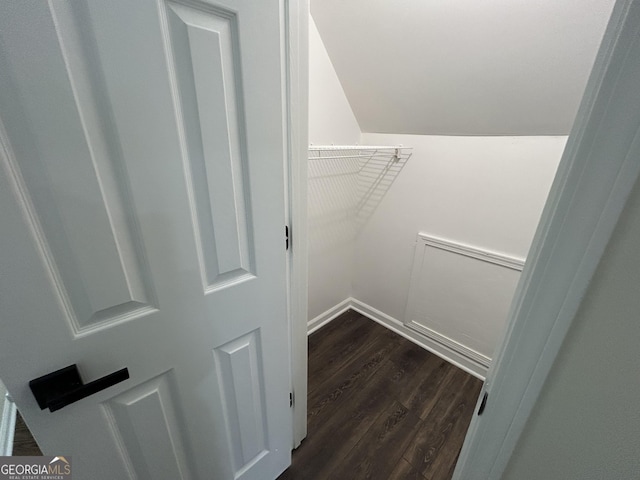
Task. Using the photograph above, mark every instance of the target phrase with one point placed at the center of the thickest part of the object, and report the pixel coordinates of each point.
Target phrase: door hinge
(290, 399)
(483, 404)
(286, 236)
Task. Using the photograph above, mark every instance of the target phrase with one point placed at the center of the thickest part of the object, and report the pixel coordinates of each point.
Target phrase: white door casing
(297, 52)
(141, 216)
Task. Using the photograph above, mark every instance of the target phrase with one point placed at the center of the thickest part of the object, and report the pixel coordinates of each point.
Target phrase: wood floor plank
(325, 361)
(24, 445)
(354, 375)
(429, 387)
(380, 407)
(456, 430)
(334, 439)
(415, 376)
(427, 453)
(325, 336)
(376, 454)
(450, 390)
(338, 332)
(405, 471)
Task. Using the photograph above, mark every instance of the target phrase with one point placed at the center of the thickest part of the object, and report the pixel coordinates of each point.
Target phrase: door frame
(566, 249)
(296, 80)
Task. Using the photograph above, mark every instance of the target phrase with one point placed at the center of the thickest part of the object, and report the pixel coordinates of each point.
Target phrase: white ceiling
(463, 67)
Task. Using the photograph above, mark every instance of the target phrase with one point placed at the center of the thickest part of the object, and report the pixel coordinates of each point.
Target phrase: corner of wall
(331, 246)
(331, 118)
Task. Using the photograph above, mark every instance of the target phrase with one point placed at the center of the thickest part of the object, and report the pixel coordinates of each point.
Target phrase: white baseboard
(452, 344)
(446, 352)
(7, 427)
(325, 317)
(453, 352)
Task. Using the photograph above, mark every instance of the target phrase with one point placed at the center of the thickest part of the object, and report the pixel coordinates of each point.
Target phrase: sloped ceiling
(463, 67)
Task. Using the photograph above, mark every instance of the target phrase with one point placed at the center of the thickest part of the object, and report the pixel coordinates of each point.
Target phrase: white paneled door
(142, 227)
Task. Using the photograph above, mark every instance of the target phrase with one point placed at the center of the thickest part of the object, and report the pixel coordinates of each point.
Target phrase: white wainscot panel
(460, 295)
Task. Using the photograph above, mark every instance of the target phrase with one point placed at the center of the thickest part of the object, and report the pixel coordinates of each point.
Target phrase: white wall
(331, 120)
(463, 67)
(486, 192)
(331, 184)
(585, 424)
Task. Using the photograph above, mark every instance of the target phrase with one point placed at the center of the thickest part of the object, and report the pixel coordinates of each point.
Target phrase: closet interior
(435, 135)
(425, 234)
(413, 238)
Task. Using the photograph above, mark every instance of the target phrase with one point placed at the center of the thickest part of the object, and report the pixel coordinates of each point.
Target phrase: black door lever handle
(62, 387)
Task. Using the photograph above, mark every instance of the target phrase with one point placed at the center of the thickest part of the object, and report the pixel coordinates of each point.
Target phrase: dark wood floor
(23, 442)
(380, 407)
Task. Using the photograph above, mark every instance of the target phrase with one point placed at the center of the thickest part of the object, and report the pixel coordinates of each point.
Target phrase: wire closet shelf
(367, 152)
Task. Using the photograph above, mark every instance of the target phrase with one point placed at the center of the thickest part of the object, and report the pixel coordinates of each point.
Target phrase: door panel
(204, 47)
(157, 453)
(245, 415)
(77, 203)
(142, 205)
